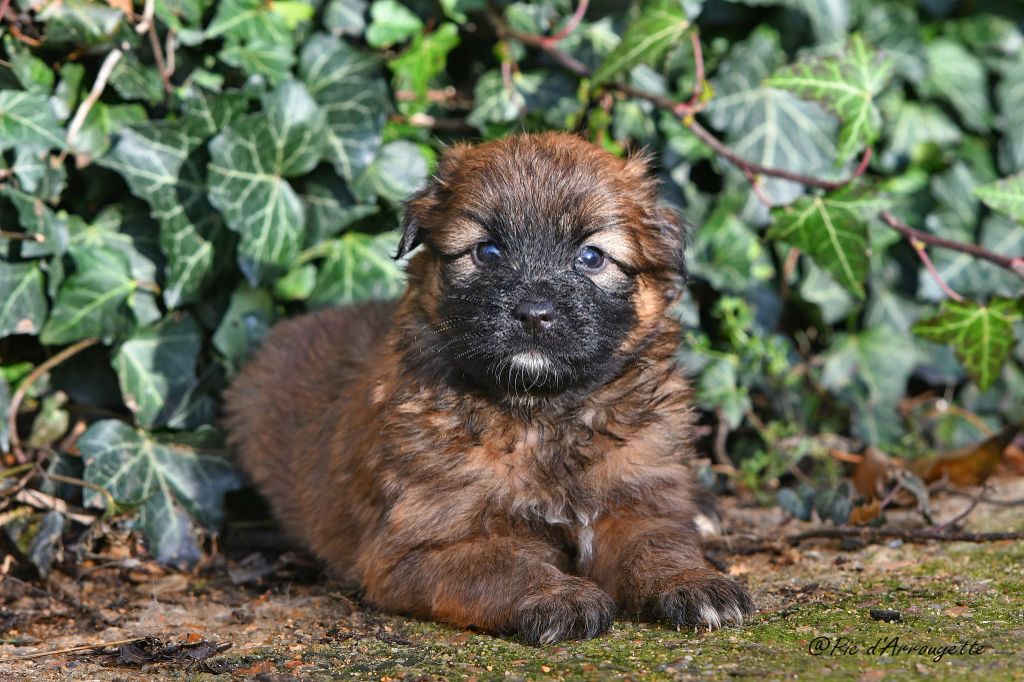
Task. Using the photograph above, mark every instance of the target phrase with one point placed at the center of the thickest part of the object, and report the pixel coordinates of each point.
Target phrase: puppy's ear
(420, 205)
(676, 235)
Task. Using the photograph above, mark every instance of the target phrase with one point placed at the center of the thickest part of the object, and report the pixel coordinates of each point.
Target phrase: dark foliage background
(176, 175)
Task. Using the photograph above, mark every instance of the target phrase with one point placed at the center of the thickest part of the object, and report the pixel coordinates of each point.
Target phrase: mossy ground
(948, 595)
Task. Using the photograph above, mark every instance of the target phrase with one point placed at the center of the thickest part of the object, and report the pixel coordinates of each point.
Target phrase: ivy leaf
(424, 59)
(247, 20)
(80, 22)
(164, 163)
(660, 26)
(26, 120)
(358, 267)
(249, 162)
(981, 335)
(37, 218)
(912, 125)
(244, 324)
(40, 174)
(391, 22)
(348, 86)
(259, 57)
(172, 483)
(5, 406)
(23, 306)
(94, 300)
(330, 207)
(831, 230)
(959, 77)
(346, 17)
(1005, 196)
(398, 170)
(770, 126)
(731, 256)
(879, 358)
(719, 388)
(156, 369)
(847, 85)
(1010, 101)
(135, 81)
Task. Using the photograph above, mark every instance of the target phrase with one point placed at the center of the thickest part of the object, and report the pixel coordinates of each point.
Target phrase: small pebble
(887, 615)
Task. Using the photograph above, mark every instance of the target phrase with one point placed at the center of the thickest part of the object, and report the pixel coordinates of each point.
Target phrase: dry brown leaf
(967, 466)
(866, 513)
(872, 475)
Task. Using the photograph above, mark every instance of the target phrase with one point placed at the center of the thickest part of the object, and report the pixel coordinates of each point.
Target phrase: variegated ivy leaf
(770, 126)
(956, 75)
(830, 229)
(247, 20)
(94, 301)
(172, 483)
(259, 57)
(660, 26)
(81, 22)
(22, 301)
(1005, 196)
(163, 162)
(829, 18)
(348, 86)
(156, 368)
(982, 335)
(249, 163)
(1010, 102)
(847, 84)
(36, 218)
(27, 121)
(358, 267)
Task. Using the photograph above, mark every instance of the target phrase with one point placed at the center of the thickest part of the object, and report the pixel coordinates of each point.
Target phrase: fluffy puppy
(506, 446)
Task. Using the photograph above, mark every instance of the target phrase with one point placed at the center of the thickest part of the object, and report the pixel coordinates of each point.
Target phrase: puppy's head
(548, 261)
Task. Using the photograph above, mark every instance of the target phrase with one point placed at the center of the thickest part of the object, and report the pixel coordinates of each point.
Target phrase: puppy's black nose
(534, 315)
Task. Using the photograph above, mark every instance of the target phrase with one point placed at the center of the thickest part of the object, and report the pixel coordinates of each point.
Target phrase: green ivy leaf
(981, 335)
(911, 126)
(23, 306)
(831, 230)
(80, 22)
(249, 163)
(93, 301)
(847, 84)
(40, 174)
(660, 26)
(163, 162)
(718, 388)
(728, 254)
(27, 121)
(244, 324)
(245, 20)
(172, 483)
(770, 126)
(958, 76)
(1010, 103)
(424, 59)
(346, 17)
(37, 218)
(259, 57)
(1005, 196)
(399, 170)
(133, 80)
(348, 85)
(390, 23)
(330, 207)
(156, 369)
(879, 358)
(358, 267)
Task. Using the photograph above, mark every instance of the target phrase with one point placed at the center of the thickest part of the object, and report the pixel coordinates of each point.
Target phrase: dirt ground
(819, 618)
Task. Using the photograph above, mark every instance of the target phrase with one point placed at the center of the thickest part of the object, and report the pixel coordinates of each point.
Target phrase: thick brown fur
(538, 509)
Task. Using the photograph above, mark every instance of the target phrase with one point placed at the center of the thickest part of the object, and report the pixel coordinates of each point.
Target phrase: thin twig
(571, 25)
(169, 51)
(23, 236)
(19, 395)
(71, 480)
(965, 513)
(147, 17)
(158, 57)
(70, 650)
(106, 69)
(921, 249)
(1014, 265)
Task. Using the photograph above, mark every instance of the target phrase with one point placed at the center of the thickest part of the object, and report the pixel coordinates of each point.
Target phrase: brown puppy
(504, 447)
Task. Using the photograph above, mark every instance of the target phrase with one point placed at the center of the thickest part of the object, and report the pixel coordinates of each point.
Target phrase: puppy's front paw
(705, 598)
(574, 609)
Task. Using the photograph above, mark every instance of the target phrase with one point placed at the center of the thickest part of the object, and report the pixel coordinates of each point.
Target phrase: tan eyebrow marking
(615, 242)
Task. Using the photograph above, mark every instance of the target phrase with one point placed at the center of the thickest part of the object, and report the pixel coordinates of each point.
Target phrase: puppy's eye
(486, 253)
(591, 260)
